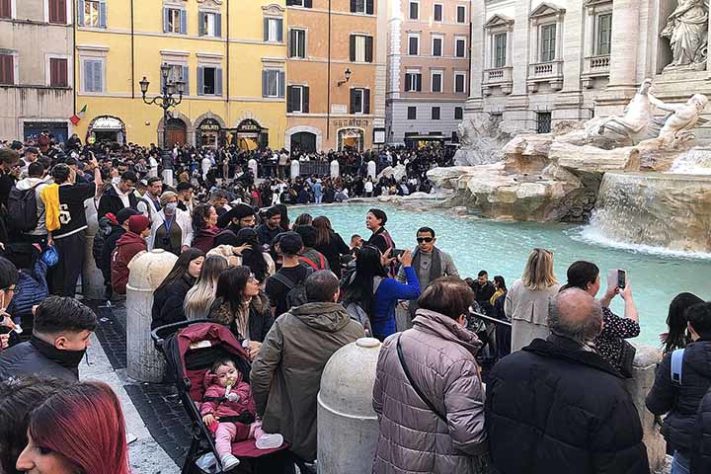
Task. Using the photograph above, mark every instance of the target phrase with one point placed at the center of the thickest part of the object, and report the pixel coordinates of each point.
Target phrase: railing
(597, 64)
(319, 168)
(547, 70)
(489, 319)
(498, 75)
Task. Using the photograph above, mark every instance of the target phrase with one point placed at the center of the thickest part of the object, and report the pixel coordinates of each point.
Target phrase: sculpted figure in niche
(687, 30)
(637, 116)
(683, 118)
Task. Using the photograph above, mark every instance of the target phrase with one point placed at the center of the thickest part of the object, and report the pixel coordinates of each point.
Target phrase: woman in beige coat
(527, 301)
(440, 429)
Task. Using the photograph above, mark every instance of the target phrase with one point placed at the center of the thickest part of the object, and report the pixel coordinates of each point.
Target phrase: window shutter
(264, 84)
(353, 6)
(201, 80)
(369, 7)
(280, 30)
(302, 45)
(289, 99)
(353, 104)
(166, 12)
(102, 14)
(98, 76)
(218, 81)
(185, 76)
(183, 22)
(218, 25)
(366, 101)
(87, 76)
(201, 23)
(369, 49)
(80, 12)
(308, 3)
(290, 43)
(419, 83)
(281, 79)
(305, 100)
(266, 29)
(353, 48)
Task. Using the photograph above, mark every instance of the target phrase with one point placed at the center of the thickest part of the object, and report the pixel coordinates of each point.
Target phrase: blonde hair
(200, 297)
(538, 274)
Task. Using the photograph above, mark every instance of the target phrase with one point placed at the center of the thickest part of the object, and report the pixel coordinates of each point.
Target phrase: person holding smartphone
(8, 280)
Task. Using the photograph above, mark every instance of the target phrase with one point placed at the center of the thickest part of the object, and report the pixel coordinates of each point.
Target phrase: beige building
(36, 44)
(335, 74)
(428, 68)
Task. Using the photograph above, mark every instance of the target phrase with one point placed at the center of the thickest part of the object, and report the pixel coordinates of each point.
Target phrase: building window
(460, 80)
(273, 83)
(7, 69)
(437, 12)
(460, 47)
(413, 48)
(461, 14)
(210, 24)
(297, 99)
(548, 43)
(436, 81)
(92, 13)
(209, 80)
(604, 34)
(5, 8)
(413, 82)
(414, 10)
(175, 21)
(543, 122)
(437, 45)
(458, 113)
(297, 43)
(500, 50)
(435, 113)
(93, 75)
(58, 72)
(178, 72)
(273, 30)
(362, 6)
(412, 113)
(57, 11)
(361, 49)
(299, 3)
(360, 101)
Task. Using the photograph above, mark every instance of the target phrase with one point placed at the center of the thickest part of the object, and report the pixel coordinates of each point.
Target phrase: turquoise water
(502, 249)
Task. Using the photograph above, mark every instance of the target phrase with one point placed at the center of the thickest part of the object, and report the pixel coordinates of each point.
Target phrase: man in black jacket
(62, 328)
(558, 407)
(680, 399)
(119, 196)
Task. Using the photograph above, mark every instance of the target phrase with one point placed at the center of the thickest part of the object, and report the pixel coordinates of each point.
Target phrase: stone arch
(90, 129)
(303, 128)
(188, 126)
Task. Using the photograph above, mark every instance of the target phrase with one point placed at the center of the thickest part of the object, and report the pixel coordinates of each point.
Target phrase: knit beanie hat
(138, 224)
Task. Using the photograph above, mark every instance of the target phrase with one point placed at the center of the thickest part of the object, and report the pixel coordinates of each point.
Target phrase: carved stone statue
(637, 116)
(687, 30)
(481, 140)
(683, 118)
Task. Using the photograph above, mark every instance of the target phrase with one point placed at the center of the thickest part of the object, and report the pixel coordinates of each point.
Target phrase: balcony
(595, 66)
(550, 72)
(498, 77)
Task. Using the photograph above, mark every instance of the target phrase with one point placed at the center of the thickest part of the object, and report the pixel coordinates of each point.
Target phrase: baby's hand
(233, 397)
(209, 419)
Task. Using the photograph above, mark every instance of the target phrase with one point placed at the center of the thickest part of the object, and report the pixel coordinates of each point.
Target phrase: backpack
(22, 209)
(321, 265)
(297, 291)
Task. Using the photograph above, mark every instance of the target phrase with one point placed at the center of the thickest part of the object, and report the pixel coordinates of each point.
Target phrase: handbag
(625, 362)
(414, 385)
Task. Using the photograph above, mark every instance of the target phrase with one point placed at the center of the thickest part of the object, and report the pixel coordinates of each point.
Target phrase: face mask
(170, 208)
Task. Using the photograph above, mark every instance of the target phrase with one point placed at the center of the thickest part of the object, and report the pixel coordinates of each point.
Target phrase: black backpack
(22, 209)
(297, 291)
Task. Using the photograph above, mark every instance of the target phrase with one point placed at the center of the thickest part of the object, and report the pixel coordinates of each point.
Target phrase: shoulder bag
(414, 385)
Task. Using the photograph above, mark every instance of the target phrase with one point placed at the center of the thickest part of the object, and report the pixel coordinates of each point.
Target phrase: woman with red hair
(77, 430)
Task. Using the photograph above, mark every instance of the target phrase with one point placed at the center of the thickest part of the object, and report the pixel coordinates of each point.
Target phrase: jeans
(680, 464)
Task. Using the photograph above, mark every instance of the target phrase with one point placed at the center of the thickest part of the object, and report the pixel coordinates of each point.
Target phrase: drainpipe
(76, 56)
(133, 55)
(328, 100)
(226, 80)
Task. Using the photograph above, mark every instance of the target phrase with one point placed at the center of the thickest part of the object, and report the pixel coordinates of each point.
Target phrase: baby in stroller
(228, 396)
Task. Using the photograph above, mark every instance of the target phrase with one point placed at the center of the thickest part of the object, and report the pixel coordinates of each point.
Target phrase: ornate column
(623, 57)
(475, 103)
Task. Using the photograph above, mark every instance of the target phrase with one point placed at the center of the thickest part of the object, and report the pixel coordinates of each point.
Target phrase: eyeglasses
(424, 239)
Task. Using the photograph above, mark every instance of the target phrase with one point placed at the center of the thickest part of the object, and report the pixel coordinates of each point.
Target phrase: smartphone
(621, 279)
(397, 253)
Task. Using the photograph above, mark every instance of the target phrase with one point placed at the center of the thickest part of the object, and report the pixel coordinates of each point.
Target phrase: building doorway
(351, 139)
(304, 142)
(107, 129)
(177, 132)
(209, 133)
(251, 135)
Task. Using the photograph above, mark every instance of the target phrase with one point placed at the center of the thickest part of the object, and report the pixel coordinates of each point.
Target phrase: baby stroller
(190, 349)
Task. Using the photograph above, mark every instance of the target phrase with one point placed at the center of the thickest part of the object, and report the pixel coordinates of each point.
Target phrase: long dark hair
(231, 285)
(200, 216)
(676, 321)
(180, 269)
(580, 274)
(323, 226)
(498, 279)
(359, 287)
(252, 258)
(304, 219)
(284, 216)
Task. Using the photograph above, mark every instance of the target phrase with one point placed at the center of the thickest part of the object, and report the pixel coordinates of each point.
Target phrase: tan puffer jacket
(440, 357)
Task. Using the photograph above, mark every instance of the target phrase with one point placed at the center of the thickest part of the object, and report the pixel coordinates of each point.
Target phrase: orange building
(336, 67)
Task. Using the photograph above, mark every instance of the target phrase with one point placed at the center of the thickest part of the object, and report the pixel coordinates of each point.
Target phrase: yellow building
(230, 53)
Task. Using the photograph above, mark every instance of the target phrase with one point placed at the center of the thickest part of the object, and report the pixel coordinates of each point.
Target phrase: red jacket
(126, 248)
(226, 407)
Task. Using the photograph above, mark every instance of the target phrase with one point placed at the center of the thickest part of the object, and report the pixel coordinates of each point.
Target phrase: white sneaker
(270, 441)
(229, 462)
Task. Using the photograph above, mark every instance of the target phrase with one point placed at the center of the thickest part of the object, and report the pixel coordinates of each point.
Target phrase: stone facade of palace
(535, 64)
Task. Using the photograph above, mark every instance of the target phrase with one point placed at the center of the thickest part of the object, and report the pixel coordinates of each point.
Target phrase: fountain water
(694, 161)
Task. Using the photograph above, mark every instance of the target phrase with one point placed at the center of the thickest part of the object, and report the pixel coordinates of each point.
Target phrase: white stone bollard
(295, 169)
(335, 169)
(253, 167)
(147, 270)
(168, 178)
(372, 169)
(347, 424)
(92, 280)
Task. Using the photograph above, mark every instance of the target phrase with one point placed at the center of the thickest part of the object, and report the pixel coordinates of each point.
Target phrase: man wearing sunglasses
(429, 263)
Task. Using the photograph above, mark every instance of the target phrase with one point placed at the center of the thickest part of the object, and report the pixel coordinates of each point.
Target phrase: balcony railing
(498, 75)
(545, 71)
(597, 65)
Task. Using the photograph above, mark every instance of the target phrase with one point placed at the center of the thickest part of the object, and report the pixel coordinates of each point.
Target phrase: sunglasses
(424, 239)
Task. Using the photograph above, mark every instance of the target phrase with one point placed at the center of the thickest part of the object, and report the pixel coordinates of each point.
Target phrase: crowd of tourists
(473, 375)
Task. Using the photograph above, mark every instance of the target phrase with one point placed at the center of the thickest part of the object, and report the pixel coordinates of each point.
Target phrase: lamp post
(347, 73)
(166, 100)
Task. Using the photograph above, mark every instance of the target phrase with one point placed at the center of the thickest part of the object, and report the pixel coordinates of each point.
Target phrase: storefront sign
(354, 122)
(210, 125)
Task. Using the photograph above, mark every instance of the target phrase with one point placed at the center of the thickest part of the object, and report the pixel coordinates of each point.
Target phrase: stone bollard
(147, 271)
(645, 365)
(372, 169)
(335, 169)
(347, 424)
(252, 165)
(295, 169)
(92, 280)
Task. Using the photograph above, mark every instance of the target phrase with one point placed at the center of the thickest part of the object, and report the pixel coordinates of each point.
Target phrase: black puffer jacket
(681, 401)
(38, 358)
(701, 440)
(554, 408)
(168, 302)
